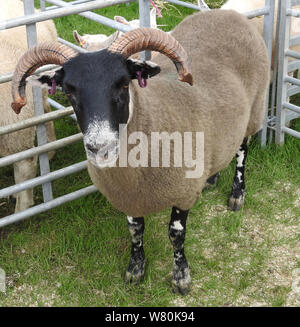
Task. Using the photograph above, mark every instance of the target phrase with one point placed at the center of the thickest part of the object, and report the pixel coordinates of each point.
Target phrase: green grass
(76, 254)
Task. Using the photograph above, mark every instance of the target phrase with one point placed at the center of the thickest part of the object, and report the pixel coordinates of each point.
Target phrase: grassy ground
(76, 255)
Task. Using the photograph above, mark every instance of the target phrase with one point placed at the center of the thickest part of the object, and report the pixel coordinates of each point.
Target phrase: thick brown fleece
(230, 68)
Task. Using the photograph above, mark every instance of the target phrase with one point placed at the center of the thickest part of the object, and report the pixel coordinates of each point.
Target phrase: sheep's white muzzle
(101, 145)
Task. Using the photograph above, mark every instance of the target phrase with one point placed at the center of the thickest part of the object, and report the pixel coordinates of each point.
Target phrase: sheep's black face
(97, 85)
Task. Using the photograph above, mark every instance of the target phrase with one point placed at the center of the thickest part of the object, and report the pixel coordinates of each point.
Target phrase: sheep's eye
(122, 83)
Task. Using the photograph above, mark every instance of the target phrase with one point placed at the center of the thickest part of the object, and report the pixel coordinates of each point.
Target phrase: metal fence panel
(284, 81)
(30, 18)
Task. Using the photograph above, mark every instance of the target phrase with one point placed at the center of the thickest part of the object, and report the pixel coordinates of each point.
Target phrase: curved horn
(145, 38)
(32, 59)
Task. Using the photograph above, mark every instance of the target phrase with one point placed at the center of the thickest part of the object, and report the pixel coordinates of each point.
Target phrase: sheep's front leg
(181, 273)
(238, 192)
(136, 269)
(24, 170)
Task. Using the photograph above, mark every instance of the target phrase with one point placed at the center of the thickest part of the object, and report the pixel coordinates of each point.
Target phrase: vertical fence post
(43, 5)
(268, 37)
(144, 12)
(275, 71)
(38, 106)
(284, 39)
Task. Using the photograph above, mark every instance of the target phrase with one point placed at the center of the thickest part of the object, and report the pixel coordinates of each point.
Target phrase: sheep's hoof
(135, 272)
(181, 281)
(236, 203)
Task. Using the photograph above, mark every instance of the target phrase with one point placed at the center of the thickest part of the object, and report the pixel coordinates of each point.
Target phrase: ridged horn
(146, 38)
(32, 59)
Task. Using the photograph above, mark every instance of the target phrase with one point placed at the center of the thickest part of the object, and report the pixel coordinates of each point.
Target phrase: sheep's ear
(121, 19)
(47, 79)
(77, 37)
(147, 68)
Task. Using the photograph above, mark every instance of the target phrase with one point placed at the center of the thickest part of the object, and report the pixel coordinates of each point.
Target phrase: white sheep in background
(95, 42)
(13, 43)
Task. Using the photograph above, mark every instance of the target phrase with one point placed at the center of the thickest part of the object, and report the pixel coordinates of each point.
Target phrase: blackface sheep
(13, 43)
(229, 62)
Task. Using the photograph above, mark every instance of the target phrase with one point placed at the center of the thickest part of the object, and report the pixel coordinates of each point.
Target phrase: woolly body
(230, 69)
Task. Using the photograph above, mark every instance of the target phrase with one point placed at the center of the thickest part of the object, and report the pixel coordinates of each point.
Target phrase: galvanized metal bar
(95, 17)
(294, 40)
(46, 206)
(293, 65)
(60, 107)
(275, 70)
(292, 53)
(292, 90)
(292, 107)
(282, 85)
(289, 79)
(184, 4)
(290, 131)
(42, 5)
(290, 115)
(8, 160)
(71, 3)
(257, 12)
(268, 37)
(38, 106)
(35, 120)
(144, 14)
(55, 13)
(43, 179)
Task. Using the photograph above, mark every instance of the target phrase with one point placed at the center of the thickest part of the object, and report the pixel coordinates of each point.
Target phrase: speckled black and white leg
(238, 192)
(136, 268)
(181, 273)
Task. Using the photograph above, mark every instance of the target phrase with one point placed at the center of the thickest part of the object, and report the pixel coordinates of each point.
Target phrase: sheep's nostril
(91, 148)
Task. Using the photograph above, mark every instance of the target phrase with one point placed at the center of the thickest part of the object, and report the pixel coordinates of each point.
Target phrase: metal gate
(287, 85)
(61, 8)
